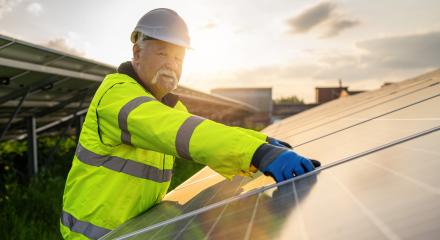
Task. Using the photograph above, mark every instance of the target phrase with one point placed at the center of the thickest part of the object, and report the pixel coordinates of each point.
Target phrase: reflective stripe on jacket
(124, 160)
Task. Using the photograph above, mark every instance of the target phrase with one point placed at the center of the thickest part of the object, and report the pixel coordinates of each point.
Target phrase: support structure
(32, 146)
(17, 109)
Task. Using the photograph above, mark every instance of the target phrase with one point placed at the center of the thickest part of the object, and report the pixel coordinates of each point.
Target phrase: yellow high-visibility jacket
(124, 159)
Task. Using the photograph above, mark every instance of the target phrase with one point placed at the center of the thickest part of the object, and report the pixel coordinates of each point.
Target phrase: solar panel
(380, 178)
(41, 82)
(383, 195)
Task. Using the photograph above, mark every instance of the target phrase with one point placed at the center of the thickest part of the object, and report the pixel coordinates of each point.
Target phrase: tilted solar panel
(380, 178)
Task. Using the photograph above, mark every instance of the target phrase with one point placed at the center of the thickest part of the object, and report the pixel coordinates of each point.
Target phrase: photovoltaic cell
(389, 194)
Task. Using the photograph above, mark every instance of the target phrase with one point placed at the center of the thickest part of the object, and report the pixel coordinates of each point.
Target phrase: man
(135, 127)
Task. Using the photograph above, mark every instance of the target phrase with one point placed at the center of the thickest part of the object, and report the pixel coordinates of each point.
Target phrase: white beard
(166, 83)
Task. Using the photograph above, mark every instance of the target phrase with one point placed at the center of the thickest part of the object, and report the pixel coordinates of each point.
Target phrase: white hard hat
(163, 24)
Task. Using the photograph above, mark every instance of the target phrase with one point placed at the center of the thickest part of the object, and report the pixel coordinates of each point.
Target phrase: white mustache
(164, 71)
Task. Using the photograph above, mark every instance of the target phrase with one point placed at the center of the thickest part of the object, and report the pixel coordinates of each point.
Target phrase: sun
(214, 50)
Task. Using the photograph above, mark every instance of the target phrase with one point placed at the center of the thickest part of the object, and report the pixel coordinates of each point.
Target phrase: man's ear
(136, 52)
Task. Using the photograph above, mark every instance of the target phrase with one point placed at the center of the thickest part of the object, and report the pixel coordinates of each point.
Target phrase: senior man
(135, 128)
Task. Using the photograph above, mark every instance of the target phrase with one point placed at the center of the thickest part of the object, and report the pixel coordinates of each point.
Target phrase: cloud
(64, 45)
(311, 17)
(409, 51)
(324, 16)
(384, 59)
(34, 8)
(367, 66)
(338, 25)
(7, 6)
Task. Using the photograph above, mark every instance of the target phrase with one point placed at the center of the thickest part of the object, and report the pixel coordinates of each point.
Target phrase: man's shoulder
(118, 77)
(118, 83)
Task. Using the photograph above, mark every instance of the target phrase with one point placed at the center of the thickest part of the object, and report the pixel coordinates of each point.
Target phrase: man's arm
(256, 134)
(127, 114)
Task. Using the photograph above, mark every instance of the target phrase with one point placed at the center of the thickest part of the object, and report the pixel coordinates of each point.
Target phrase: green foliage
(30, 208)
(291, 100)
(13, 147)
(32, 211)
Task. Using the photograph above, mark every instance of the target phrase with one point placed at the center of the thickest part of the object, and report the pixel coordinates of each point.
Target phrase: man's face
(159, 65)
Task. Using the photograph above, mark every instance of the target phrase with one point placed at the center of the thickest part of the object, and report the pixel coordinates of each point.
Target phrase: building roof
(379, 177)
(242, 89)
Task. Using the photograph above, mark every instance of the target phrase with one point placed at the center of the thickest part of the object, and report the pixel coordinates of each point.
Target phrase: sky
(292, 46)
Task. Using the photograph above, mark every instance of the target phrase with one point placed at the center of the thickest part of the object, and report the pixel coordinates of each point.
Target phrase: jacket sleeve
(253, 133)
(130, 115)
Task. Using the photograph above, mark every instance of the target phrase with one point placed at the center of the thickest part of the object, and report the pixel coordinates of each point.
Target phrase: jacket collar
(126, 68)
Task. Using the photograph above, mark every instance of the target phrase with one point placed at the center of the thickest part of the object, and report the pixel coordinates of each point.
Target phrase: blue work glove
(278, 143)
(280, 163)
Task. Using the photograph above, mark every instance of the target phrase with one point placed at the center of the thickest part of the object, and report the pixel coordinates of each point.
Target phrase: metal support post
(32, 146)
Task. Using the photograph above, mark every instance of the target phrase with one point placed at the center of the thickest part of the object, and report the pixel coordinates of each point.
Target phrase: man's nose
(172, 65)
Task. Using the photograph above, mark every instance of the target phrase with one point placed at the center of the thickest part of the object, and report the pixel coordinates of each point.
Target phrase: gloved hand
(280, 163)
(287, 165)
(278, 143)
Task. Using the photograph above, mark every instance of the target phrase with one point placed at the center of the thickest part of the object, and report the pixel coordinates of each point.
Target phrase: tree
(291, 100)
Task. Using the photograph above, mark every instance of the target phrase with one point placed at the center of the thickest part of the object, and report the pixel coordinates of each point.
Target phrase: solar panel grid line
(180, 231)
(218, 218)
(39, 112)
(305, 119)
(358, 111)
(251, 222)
(186, 207)
(47, 69)
(42, 111)
(56, 82)
(57, 58)
(17, 109)
(302, 116)
(352, 105)
(399, 119)
(4, 46)
(384, 228)
(300, 215)
(221, 222)
(330, 106)
(24, 73)
(189, 222)
(264, 188)
(337, 124)
(378, 148)
(367, 135)
(16, 94)
(420, 184)
(45, 50)
(335, 104)
(422, 150)
(220, 215)
(193, 213)
(207, 235)
(183, 185)
(367, 120)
